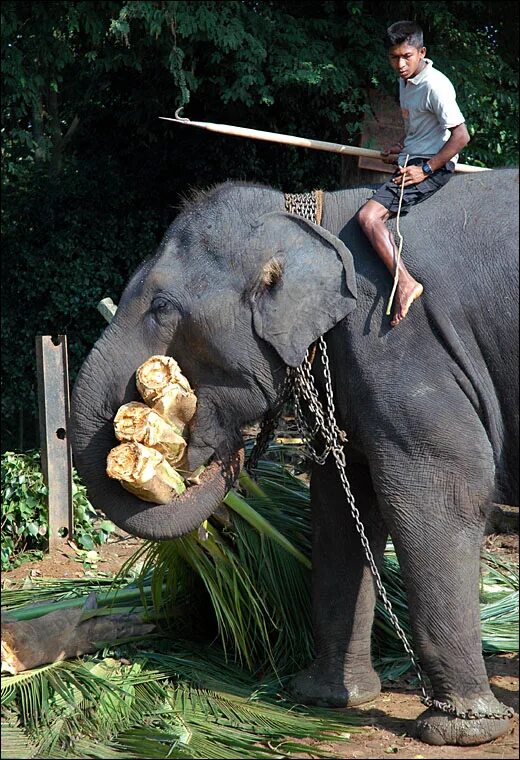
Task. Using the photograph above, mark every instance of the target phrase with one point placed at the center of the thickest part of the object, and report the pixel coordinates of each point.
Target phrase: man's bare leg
(372, 218)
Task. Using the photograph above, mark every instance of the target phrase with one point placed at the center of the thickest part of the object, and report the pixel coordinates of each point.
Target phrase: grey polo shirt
(429, 108)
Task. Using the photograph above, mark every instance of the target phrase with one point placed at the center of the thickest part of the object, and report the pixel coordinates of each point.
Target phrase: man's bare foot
(405, 295)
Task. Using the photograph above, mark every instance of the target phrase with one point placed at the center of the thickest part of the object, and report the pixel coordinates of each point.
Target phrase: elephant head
(238, 290)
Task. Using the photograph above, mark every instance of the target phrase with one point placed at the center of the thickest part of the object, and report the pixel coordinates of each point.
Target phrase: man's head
(405, 48)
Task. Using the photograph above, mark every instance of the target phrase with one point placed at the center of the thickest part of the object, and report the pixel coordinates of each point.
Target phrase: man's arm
(458, 140)
(390, 152)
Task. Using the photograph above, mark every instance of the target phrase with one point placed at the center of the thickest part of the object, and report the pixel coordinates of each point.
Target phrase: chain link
(270, 423)
(334, 440)
(308, 205)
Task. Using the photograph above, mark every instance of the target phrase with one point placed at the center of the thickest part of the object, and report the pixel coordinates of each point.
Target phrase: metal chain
(308, 205)
(335, 439)
(270, 422)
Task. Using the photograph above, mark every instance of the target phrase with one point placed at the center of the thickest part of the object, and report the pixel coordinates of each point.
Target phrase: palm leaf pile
(163, 697)
(232, 607)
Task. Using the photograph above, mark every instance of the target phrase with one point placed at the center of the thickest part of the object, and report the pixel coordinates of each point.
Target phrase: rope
(400, 248)
(319, 206)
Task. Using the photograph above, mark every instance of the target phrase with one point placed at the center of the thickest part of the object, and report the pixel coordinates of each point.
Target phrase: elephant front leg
(438, 529)
(343, 592)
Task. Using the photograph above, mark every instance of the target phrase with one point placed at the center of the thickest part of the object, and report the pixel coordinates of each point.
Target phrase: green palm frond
(499, 620)
(498, 577)
(15, 741)
(184, 703)
(285, 586)
(267, 543)
(36, 590)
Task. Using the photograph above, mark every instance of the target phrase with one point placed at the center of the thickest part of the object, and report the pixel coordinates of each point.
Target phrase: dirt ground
(388, 720)
(69, 562)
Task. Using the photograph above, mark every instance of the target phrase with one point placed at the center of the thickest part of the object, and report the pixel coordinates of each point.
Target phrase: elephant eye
(163, 309)
(162, 304)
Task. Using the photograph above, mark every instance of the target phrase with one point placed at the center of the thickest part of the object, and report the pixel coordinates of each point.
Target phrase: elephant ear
(306, 284)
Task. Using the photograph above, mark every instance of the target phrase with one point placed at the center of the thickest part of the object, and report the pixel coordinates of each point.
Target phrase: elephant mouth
(185, 512)
(227, 471)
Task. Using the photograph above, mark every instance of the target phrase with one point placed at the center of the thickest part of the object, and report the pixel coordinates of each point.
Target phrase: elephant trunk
(92, 437)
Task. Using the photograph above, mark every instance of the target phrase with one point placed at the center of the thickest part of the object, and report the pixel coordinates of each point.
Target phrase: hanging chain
(270, 422)
(334, 440)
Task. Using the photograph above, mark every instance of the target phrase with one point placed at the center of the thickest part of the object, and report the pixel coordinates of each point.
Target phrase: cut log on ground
(66, 633)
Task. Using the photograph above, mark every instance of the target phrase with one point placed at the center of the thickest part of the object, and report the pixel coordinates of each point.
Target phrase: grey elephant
(237, 292)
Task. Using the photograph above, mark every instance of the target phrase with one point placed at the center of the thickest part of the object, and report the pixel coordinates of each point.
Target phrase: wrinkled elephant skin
(238, 291)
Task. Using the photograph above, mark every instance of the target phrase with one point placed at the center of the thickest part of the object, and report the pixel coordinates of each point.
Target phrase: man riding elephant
(435, 134)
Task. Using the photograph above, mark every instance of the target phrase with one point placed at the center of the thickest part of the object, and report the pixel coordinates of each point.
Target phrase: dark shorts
(388, 194)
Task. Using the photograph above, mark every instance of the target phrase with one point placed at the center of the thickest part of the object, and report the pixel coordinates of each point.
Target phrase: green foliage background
(91, 177)
(24, 522)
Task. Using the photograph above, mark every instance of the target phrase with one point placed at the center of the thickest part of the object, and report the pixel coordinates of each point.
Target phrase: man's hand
(390, 153)
(412, 175)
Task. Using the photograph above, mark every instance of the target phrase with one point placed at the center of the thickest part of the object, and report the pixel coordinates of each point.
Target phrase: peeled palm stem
(151, 460)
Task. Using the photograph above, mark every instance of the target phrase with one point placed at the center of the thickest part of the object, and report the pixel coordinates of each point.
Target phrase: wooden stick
(300, 142)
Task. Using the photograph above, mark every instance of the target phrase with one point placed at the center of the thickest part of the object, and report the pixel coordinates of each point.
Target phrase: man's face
(406, 60)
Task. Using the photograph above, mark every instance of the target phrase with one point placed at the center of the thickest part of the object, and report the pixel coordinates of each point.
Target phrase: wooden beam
(300, 142)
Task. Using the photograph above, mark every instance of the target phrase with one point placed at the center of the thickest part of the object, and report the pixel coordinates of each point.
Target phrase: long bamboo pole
(300, 142)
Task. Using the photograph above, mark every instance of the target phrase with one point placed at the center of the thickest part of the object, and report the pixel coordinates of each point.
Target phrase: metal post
(56, 455)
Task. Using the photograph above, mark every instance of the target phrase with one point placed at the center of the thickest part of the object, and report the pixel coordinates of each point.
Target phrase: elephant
(237, 292)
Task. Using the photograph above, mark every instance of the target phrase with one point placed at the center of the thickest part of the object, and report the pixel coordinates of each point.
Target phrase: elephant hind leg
(437, 522)
(343, 594)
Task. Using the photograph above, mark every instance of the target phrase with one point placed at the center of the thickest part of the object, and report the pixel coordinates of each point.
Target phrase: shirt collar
(418, 78)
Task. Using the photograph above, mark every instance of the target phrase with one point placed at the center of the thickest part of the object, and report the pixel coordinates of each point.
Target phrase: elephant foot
(322, 686)
(435, 727)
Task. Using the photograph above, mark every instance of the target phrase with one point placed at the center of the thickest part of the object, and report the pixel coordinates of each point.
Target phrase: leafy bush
(24, 515)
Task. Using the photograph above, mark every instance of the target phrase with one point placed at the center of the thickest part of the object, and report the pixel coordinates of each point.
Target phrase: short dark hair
(405, 32)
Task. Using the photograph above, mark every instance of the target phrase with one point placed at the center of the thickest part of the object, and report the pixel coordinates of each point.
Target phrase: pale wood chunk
(145, 472)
